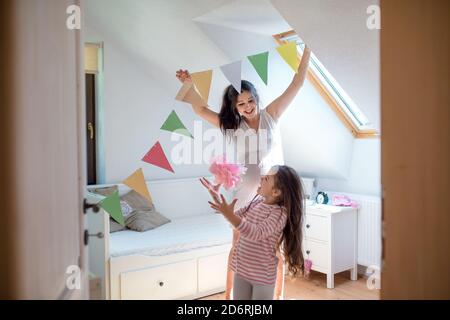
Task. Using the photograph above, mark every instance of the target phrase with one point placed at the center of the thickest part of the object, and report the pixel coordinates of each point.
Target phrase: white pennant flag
(232, 72)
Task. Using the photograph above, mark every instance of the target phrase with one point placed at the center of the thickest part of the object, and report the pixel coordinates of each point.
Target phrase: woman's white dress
(258, 151)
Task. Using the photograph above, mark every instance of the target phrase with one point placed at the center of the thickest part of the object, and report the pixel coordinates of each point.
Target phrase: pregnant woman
(242, 121)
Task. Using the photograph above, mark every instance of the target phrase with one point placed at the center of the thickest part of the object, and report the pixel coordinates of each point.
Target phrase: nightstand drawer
(317, 227)
(317, 252)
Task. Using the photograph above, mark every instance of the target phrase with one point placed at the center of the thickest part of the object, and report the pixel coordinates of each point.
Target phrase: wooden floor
(315, 288)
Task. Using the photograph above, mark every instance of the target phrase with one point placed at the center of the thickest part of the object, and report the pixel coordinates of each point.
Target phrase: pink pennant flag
(157, 157)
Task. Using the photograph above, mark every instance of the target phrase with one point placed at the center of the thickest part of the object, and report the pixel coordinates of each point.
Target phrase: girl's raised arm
(280, 104)
(202, 110)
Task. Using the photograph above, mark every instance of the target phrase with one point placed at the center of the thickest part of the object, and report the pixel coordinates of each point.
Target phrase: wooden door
(415, 148)
(43, 153)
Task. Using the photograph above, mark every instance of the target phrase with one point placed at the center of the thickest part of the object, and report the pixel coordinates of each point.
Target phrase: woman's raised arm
(201, 109)
(280, 104)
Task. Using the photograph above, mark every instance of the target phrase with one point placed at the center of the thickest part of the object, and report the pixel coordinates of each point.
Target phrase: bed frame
(186, 275)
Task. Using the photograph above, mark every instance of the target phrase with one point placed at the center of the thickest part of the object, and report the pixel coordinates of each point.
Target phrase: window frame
(329, 97)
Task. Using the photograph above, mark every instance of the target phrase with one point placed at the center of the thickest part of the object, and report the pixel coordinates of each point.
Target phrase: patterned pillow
(126, 208)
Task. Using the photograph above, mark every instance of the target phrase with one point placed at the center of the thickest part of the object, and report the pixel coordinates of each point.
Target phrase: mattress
(179, 235)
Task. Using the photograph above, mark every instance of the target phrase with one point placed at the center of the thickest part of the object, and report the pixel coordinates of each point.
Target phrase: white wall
(139, 79)
(365, 171)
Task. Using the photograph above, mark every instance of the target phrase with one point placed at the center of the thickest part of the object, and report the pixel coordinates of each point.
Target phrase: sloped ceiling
(153, 33)
(256, 16)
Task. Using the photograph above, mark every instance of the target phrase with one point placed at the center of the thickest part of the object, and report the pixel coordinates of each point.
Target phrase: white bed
(179, 235)
(183, 259)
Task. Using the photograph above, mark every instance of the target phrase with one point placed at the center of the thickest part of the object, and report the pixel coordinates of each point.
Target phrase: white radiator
(369, 228)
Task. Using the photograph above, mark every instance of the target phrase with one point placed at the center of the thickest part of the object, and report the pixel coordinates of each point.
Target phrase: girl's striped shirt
(254, 256)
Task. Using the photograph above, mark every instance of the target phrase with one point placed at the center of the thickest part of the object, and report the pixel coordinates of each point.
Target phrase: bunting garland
(289, 53)
(202, 81)
(260, 63)
(197, 93)
(174, 124)
(137, 182)
(111, 205)
(232, 72)
(157, 157)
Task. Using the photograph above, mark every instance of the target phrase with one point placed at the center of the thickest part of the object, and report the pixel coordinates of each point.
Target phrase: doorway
(91, 125)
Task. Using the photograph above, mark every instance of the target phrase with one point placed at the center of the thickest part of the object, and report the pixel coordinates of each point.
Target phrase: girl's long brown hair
(288, 182)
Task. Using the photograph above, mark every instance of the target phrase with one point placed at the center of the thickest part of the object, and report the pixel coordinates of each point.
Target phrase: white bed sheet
(179, 235)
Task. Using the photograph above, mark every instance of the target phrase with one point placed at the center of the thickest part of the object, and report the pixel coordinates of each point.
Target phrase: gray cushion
(104, 191)
(136, 201)
(143, 220)
(141, 217)
(114, 226)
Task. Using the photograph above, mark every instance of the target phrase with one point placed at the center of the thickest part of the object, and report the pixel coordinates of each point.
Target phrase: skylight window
(360, 124)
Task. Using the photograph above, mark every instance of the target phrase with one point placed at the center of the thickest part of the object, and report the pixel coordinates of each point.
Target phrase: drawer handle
(307, 226)
(161, 283)
(308, 252)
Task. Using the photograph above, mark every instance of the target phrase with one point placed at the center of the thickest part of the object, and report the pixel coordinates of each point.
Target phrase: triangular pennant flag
(232, 72)
(157, 157)
(137, 182)
(289, 53)
(174, 124)
(111, 205)
(260, 62)
(189, 94)
(202, 81)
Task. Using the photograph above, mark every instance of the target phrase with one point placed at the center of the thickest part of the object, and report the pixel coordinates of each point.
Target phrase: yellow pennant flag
(289, 53)
(202, 81)
(137, 182)
(189, 94)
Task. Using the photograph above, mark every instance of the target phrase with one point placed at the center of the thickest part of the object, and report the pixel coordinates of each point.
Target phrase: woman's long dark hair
(229, 117)
(291, 198)
(288, 182)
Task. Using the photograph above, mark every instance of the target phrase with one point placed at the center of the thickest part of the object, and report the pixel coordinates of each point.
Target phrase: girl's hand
(223, 207)
(184, 76)
(212, 189)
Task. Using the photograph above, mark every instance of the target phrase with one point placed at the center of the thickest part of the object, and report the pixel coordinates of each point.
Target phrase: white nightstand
(330, 240)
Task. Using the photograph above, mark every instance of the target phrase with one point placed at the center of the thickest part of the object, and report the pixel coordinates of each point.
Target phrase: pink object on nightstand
(343, 201)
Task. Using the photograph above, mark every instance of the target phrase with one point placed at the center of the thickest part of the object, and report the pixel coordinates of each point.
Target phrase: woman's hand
(222, 206)
(184, 76)
(304, 63)
(212, 189)
(280, 104)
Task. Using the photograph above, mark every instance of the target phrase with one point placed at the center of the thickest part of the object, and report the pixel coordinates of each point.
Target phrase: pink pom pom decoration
(225, 173)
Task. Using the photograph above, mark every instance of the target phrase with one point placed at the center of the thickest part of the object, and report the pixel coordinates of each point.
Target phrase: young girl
(273, 218)
(241, 113)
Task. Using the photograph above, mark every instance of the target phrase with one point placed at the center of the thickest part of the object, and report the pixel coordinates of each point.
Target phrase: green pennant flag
(260, 62)
(174, 124)
(111, 205)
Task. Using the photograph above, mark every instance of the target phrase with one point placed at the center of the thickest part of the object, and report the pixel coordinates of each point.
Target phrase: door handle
(91, 130)
(99, 235)
(94, 206)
